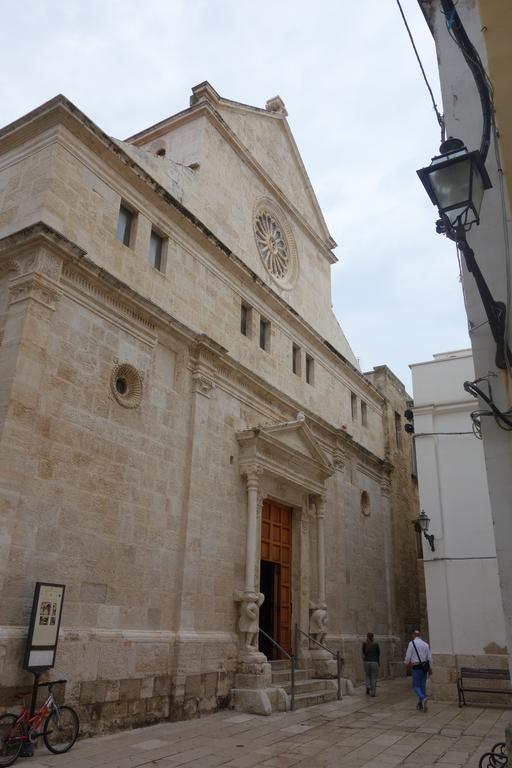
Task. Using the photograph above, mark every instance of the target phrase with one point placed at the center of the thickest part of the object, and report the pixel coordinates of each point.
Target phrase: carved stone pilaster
(338, 460)
(385, 480)
(320, 502)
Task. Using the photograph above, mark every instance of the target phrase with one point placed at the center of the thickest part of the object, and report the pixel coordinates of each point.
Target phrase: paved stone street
(357, 732)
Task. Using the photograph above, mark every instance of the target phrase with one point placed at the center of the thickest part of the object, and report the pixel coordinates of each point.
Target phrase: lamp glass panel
(461, 211)
(477, 191)
(451, 184)
(423, 521)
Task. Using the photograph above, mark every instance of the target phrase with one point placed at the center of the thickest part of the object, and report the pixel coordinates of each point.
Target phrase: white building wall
(463, 115)
(465, 614)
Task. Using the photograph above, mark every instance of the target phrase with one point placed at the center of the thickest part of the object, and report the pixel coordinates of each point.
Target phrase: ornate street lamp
(455, 181)
(421, 524)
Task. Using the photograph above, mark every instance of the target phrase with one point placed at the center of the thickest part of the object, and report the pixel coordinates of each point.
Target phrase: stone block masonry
(142, 431)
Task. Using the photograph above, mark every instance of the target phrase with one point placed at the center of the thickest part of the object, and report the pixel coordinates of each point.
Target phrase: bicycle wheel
(61, 729)
(12, 735)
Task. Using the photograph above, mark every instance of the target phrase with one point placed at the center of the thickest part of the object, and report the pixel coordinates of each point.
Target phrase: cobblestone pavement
(359, 732)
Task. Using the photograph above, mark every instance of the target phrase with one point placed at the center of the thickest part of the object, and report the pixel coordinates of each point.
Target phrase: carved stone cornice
(202, 384)
(202, 362)
(37, 246)
(88, 283)
(38, 288)
(45, 262)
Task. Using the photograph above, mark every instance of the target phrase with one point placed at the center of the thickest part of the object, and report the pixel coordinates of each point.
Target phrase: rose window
(272, 244)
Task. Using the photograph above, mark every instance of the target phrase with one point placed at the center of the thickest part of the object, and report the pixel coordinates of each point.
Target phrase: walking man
(371, 658)
(419, 658)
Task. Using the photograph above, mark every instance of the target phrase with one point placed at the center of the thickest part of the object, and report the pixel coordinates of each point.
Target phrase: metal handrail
(290, 656)
(336, 655)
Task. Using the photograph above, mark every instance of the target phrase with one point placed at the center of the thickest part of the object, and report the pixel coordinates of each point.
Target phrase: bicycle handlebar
(51, 682)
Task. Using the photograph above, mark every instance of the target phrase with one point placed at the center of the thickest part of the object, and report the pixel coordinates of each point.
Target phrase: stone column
(322, 661)
(254, 678)
(250, 599)
(320, 527)
(252, 520)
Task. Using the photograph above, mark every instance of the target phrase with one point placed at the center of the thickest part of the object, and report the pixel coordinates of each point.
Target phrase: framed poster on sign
(43, 631)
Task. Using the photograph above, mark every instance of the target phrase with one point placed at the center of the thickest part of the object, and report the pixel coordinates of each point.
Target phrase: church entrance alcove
(275, 577)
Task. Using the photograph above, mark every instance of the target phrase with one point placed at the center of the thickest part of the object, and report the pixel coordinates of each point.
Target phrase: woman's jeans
(372, 670)
(419, 680)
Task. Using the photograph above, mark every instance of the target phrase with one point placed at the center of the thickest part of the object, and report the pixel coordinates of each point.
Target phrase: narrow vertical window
(264, 333)
(296, 359)
(310, 370)
(156, 250)
(353, 405)
(364, 414)
(124, 225)
(245, 319)
(398, 430)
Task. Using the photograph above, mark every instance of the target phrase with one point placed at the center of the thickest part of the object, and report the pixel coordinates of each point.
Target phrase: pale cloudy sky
(357, 105)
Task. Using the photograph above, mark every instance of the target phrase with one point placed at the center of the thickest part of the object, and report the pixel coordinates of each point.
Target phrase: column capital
(252, 474)
(202, 383)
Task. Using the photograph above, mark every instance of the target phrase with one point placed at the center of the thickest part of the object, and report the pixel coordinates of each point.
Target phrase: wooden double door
(275, 577)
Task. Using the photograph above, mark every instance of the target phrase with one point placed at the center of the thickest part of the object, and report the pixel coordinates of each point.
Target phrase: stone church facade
(186, 440)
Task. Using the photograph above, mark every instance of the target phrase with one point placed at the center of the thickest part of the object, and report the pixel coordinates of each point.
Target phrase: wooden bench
(471, 673)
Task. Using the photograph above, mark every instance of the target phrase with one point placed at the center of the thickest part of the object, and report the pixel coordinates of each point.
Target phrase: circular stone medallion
(126, 385)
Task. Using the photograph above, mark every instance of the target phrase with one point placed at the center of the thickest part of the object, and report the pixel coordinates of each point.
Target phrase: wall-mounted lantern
(421, 524)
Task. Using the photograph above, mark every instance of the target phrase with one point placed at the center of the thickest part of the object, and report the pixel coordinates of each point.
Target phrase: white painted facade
(490, 242)
(465, 615)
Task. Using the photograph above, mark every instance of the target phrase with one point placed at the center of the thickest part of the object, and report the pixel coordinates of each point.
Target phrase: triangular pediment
(263, 139)
(297, 436)
(268, 138)
(287, 450)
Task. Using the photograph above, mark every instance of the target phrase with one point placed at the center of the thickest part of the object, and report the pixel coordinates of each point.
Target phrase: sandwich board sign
(43, 632)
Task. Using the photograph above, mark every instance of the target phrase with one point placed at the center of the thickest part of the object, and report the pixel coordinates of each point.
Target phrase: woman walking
(371, 658)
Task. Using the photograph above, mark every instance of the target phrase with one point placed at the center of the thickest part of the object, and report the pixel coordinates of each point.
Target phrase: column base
(323, 664)
(260, 701)
(251, 659)
(253, 691)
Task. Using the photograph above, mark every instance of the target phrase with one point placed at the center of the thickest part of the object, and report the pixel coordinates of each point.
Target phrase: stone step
(309, 686)
(280, 664)
(303, 700)
(284, 675)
